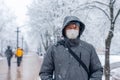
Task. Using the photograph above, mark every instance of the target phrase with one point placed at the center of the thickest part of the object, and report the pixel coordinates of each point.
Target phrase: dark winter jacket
(8, 53)
(59, 64)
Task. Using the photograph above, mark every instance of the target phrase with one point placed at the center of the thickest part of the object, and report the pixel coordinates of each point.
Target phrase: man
(19, 55)
(60, 62)
(9, 55)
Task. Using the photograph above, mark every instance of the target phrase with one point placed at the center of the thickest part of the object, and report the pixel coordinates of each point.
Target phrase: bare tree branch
(114, 1)
(116, 15)
(87, 15)
(101, 10)
(100, 3)
(92, 6)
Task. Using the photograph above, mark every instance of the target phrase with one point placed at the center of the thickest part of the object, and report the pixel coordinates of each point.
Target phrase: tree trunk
(107, 53)
(108, 42)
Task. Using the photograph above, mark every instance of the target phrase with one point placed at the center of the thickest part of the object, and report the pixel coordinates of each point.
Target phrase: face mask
(72, 33)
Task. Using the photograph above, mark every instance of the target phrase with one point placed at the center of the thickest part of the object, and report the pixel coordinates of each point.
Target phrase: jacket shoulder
(60, 42)
(86, 45)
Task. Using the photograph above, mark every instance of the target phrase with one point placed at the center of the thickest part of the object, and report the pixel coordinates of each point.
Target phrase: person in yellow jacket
(19, 55)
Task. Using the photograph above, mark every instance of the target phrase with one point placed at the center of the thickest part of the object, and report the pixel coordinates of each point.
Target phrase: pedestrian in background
(19, 55)
(9, 54)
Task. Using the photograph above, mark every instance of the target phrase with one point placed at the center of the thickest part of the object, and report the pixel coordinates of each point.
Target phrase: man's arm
(96, 70)
(12, 53)
(47, 68)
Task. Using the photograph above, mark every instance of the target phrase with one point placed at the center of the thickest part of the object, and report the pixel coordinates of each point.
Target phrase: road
(28, 70)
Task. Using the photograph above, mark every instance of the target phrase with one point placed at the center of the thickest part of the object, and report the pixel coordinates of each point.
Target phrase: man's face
(72, 31)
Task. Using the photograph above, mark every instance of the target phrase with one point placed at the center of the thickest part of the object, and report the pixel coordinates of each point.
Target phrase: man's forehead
(72, 25)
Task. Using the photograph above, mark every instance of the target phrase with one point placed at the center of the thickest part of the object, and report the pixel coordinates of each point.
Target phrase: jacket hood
(70, 19)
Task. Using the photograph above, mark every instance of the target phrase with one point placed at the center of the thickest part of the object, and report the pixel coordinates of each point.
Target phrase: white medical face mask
(72, 33)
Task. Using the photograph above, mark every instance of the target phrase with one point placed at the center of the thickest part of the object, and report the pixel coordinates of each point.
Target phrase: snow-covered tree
(7, 27)
(47, 16)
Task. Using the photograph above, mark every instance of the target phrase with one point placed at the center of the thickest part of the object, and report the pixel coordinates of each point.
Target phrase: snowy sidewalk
(1, 58)
(28, 70)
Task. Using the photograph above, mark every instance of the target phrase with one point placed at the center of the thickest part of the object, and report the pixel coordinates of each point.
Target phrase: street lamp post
(1, 46)
(17, 36)
(22, 42)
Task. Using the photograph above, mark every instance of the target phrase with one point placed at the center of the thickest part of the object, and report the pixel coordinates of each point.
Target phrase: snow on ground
(1, 58)
(115, 73)
(113, 58)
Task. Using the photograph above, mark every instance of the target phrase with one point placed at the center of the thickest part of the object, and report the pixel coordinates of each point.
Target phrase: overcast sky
(19, 7)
